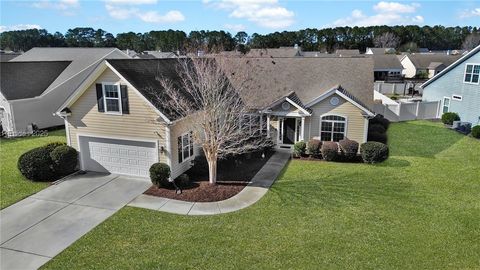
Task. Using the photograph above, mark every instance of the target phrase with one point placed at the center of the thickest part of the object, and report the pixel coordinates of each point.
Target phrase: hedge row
(377, 129)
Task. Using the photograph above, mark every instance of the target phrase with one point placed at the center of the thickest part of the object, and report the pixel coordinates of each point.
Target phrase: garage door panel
(117, 156)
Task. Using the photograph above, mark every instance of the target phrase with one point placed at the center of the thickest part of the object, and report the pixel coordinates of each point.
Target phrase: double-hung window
(332, 128)
(472, 73)
(185, 147)
(111, 93)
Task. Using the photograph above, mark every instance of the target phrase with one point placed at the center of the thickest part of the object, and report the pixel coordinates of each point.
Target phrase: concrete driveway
(39, 227)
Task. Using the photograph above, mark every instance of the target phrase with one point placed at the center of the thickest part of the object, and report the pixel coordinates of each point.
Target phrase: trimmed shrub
(159, 174)
(377, 137)
(329, 151)
(299, 148)
(374, 152)
(376, 128)
(36, 164)
(313, 147)
(380, 120)
(449, 117)
(183, 180)
(349, 149)
(65, 159)
(51, 146)
(476, 131)
(200, 166)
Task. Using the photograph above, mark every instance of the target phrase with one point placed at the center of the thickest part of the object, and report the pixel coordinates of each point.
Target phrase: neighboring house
(20, 80)
(37, 107)
(380, 51)
(343, 53)
(458, 88)
(276, 52)
(386, 66)
(425, 65)
(117, 125)
(7, 56)
(155, 54)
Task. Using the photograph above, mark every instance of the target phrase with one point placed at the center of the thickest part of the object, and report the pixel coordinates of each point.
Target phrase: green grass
(418, 210)
(13, 186)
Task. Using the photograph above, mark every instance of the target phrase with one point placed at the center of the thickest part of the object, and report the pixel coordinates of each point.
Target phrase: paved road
(39, 227)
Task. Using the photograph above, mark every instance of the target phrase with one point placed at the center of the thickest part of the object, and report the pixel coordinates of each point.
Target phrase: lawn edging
(252, 193)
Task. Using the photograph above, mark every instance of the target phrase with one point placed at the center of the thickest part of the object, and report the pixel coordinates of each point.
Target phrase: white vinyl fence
(395, 88)
(408, 111)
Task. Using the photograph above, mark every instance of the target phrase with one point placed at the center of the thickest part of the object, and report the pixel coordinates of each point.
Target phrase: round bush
(348, 148)
(299, 148)
(377, 137)
(449, 117)
(376, 128)
(380, 120)
(65, 159)
(476, 131)
(183, 180)
(36, 164)
(329, 151)
(313, 147)
(160, 174)
(51, 146)
(374, 152)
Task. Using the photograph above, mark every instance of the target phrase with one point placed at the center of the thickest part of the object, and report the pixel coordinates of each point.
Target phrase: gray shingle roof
(267, 80)
(20, 80)
(347, 52)
(422, 61)
(386, 61)
(84, 61)
(275, 52)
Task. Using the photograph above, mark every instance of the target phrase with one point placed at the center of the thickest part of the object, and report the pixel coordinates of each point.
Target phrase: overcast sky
(261, 16)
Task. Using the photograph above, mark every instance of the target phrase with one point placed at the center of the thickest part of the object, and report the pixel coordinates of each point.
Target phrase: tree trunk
(212, 168)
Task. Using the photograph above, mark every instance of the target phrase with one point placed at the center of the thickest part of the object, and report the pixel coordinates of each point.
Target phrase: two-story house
(458, 88)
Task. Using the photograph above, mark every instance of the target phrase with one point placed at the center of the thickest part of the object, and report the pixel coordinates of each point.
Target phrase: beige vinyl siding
(181, 127)
(356, 122)
(140, 123)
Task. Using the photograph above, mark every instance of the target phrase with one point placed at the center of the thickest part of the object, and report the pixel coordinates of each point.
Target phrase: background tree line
(408, 37)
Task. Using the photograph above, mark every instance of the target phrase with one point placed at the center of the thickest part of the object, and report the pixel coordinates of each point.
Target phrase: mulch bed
(232, 176)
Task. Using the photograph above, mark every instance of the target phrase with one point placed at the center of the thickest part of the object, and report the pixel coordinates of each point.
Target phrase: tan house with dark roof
(425, 64)
(118, 127)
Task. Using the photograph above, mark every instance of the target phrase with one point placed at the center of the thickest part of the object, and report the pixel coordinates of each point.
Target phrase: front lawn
(14, 186)
(418, 210)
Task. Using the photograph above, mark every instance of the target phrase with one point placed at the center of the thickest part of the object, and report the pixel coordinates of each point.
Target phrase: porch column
(268, 125)
(302, 128)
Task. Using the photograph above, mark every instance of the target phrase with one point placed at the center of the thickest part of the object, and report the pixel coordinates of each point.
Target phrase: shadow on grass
(420, 138)
(394, 163)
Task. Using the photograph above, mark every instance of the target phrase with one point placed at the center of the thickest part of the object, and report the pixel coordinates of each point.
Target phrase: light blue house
(457, 87)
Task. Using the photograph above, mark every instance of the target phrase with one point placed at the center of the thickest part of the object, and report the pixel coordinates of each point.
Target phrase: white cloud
(59, 5)
(265, 13)
(470, 13)
(395, 7)
(131, 2)
(386, 13)
(122, 9)
(235, 27)
(4, 28)
(169, 17)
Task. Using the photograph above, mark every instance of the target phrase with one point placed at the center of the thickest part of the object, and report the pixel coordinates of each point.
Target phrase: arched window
(332, 128)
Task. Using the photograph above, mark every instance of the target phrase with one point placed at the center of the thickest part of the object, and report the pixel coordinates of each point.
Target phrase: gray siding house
(458, 88)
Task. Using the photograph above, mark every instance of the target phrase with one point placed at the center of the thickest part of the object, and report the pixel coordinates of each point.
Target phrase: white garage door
(117, 156)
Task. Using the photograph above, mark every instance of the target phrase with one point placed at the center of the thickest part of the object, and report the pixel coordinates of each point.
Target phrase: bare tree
(221, 122)
(386, 40)
(471, 41)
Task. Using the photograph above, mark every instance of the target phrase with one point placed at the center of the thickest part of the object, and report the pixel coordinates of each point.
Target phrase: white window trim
(333, 121)
(117, 84)
(190, 143)
(443, 104)
(465, 73)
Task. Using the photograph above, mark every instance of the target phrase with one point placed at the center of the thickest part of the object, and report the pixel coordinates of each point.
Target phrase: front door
(289, 131)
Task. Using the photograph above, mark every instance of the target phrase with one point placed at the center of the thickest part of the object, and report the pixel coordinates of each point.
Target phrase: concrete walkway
(39, 227)
(258, 187)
